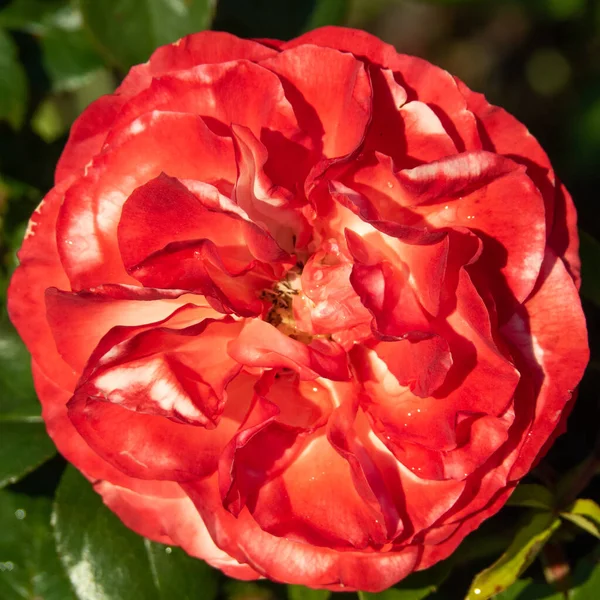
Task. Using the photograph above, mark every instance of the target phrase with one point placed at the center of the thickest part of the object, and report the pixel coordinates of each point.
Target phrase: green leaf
(586, 578)
(299, 592)
(24, 443)
(29, 567)
(247, 590)
(585, 514)
(23, 447)
(68, 55)
(36, 16)
(528, 589)
(102, 83)
(328, 12)
(576, 479)
(105, 560)
(69, 58)
(363, 11)
(396, 594)
(589, 250)
(13, 83)
(528, 542)
(416, 586)
(178, 575)
(17, 394)
(488, 541)
(47, 121)
(587, 508)
(532, 495)
(127, 31)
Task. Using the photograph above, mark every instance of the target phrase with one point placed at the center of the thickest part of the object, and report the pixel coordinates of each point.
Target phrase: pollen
(281, 313)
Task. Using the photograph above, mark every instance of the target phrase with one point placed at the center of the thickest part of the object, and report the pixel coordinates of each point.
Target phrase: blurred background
(539, 59)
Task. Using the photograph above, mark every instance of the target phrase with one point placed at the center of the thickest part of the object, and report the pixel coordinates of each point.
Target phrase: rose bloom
(306, 309)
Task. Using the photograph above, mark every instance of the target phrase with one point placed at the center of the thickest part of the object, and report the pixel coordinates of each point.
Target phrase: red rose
(308, 310)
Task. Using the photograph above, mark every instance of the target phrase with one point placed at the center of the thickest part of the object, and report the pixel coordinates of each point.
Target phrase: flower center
(281, 297)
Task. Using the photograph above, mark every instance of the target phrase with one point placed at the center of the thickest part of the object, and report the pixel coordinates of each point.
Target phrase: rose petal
(422, 80)
(39, 267)
(79, 320)
(515, 247)
(564, 238)
(503, 134)
(421, 365)
(293, 562)
(156, 370)
(205, 47)
(262, 345)
(87, 135)
(271, 437)
(330, 92)
(120, 407)
(173, 521)
(238, 92)
(147, 446)
(551, 327)
(315, 501)
(266, 204)
(88, 219)
(73, 447)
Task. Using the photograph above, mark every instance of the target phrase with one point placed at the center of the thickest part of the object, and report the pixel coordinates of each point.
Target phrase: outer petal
(89, 131)
(513, 247)
(88, 134)
(172, 238)
(73, 447)
(551, 327)
(315, 502)
(422, 80)
(179, 373)
(79, 320)
(39, 269)
(238, 92)
(435, 552)
(503, 134)
(294, 562)
(164, 211)
(205, 47)
(121, 404)
(147, 446)
(564, 239)
(331, 95)
(173, 521)
(87, 224)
